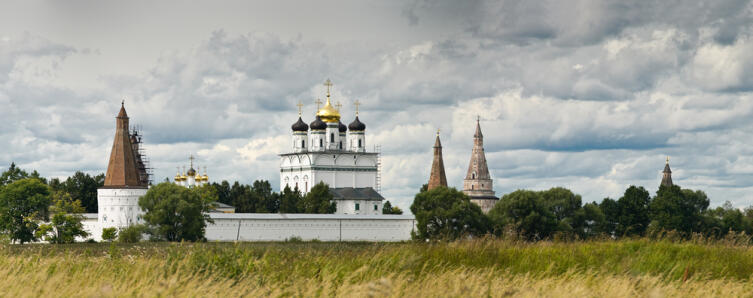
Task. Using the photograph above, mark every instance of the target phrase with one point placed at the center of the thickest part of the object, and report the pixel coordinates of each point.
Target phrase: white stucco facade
(279, 227)
(335, 168)
(119, 207)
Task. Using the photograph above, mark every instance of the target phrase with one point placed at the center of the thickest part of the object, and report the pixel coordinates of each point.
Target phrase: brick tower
(438, 177)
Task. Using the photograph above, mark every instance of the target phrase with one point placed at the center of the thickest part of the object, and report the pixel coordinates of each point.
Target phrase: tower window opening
(358, 206)
(303, 143)
(341, 144)
(359, 143)
(376, 207)
(332, 138)
(320, 142)
(471, 187)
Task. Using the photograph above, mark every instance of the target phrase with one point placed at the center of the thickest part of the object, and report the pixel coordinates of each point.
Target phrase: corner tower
(118, 199)
(437, 177)
(666, 179)
(478, 183)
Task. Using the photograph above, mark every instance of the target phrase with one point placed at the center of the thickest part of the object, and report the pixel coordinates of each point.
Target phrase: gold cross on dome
(338, 105)
(357, 104)
(437, 131)
(300, 105)
(191, 158)
(667, 159)
(328, 83)
(318, 102)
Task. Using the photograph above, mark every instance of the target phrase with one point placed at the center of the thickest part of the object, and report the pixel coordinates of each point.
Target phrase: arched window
(341, 144)
(332, 138)
(303, 143)
(471, 186)
(473, 176)
(320, 142)
(359, 143)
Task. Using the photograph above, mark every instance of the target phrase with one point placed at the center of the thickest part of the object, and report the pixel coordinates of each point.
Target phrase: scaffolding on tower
(142, 161)
(378, 150)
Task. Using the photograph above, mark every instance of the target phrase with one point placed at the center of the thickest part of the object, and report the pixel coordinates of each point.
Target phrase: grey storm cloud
(590, 95)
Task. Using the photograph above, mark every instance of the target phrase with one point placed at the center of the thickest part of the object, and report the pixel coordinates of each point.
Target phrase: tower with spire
(328, 151)
(666, 179)
(124, 180)
(478, 182)
(437, 177)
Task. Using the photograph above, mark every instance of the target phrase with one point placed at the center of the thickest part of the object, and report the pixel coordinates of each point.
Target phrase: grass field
(468, 269)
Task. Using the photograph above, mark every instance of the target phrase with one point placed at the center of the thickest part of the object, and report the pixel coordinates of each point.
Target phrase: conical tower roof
(666, 179)
(122, 170)
(437, 177)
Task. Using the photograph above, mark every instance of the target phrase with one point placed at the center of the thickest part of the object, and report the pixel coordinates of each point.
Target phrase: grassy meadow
(494, 268)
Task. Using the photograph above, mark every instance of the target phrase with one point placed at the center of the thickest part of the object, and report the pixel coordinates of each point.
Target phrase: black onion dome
(342, 127)
(318, 124)
(357, 125)
(300, 125)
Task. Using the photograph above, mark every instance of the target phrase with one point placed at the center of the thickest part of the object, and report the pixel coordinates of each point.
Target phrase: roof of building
(300, 125)
(341, 127)
(357, 125)
(122, 169)
(360, 193)
(437, 177)
(318, 124)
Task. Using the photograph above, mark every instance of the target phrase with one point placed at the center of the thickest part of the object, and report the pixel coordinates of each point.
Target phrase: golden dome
(328, 113)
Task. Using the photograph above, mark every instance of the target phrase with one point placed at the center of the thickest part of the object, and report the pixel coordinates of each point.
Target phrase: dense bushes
(559, 213)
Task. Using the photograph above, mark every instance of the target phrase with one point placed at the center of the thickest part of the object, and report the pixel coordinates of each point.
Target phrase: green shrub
(109, 234)
(131, 234)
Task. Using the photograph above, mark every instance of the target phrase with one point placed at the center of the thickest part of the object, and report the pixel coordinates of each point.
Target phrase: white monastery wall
(324, 227)
(278, 227)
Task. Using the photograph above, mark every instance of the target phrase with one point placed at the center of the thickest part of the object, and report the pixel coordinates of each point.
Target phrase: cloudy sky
(589, 95)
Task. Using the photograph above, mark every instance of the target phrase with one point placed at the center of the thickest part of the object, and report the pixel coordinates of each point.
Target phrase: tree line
(558, 212)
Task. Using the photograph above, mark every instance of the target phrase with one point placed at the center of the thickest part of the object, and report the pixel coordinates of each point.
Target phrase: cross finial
(667, 159)
(338, 105)
(300, 105)
(318, 103)
(328, 83)
(437, 131)
(191, 158)
(478, 118)
(357, 104)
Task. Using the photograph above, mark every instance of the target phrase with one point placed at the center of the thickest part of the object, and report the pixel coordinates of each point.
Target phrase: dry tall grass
(464, 269)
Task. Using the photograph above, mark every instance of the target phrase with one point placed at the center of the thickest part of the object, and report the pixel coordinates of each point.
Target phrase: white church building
(327, 152)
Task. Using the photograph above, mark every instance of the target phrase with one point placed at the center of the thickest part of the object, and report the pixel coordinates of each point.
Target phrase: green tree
(268, 201)
(634, 212)
(109, 234)
(446, 213)
(387, 208)
(589, 221)
(526, 212)
(724, 219)
(611, 211)
(83, 187)
(290, 200)
(176, 213)
(564, 205)
(13, 174)
(318, 200)
(23, 204)
(678, 209)
(65, 224)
